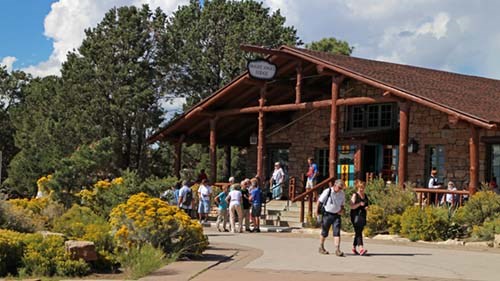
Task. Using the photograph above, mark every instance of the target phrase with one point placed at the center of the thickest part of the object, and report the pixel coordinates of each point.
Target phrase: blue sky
(453, 35)
(22, 31)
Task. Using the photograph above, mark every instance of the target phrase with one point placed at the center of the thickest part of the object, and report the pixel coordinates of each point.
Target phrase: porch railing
(432, 196)
(309, 195)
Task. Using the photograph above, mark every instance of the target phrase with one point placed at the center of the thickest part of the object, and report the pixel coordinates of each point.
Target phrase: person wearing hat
(277, 181)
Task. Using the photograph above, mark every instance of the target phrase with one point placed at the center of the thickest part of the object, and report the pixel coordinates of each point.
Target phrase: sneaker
(323, 251)
(219, 229)
(363, 252)
(339, 253)
(354, 251)
(226, 230)
(257, 230)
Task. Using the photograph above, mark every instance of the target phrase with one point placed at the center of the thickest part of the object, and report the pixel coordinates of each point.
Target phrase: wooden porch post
(213, 151)
(261, 141)
(474, 159)
(404, 111)
(178, 157)
(298, 85)
(227, 154)
(332, 169)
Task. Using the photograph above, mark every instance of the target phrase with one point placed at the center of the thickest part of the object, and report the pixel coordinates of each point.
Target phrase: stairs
(283, 213)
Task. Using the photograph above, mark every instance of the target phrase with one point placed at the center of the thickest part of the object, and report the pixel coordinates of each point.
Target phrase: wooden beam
(332, 169)
(261, 138)
(404, 111)
(474, 159)
(178, 156)
(301, 106)
(298, 85)
(213, 151)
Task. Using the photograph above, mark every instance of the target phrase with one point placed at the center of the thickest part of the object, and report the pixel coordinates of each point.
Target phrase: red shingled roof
(474, 96)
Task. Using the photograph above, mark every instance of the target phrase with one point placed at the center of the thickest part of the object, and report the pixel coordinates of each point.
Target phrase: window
(373, 116)
(494, 170)
(435, 158)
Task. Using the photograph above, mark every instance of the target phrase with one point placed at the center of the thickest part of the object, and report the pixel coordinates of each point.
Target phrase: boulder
(481, 244)
(81, 250)
(496, 242)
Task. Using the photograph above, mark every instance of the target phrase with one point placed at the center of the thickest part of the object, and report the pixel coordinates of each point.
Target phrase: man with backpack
(332, 200)
(186, 198)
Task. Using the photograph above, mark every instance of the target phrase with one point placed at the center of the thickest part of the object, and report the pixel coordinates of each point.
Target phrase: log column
(404, 111)
(332, 169)
(474, 159)
(213, 151)
(227, 154)
(298, 85)
(261, 142)
(178, 157)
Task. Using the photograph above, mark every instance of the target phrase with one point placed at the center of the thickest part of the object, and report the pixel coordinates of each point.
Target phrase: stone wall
(427, 127)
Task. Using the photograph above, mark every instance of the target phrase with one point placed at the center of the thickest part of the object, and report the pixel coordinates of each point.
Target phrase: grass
(139, 262)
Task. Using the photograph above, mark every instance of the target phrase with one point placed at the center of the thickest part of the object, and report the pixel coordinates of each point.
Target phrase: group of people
(241, 202)
(330, 208)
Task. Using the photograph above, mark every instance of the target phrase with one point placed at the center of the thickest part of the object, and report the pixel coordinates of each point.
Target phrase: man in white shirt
(332, 199)
(186, 198)
(204, 192)
(277, 181)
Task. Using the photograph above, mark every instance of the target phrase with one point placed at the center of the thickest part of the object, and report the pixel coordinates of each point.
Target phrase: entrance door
(372, 160)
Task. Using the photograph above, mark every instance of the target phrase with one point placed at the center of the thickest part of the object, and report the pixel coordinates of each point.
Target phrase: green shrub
(394, 224)
(375, 221)
(140, 261)
(72, 268)
(429, 224)
(43, 254)
(393, 198)
(145, 220)
(487, 231)
(481, 206)
(18, 218)
(81, 223)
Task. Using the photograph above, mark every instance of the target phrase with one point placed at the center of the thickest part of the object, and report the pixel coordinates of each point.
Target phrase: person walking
(332, 199)
(359, 203)
(234, 199)
(222, 212)
(186, 198)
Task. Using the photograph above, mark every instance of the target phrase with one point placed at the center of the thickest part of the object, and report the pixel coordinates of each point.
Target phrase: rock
(496, 242)
(81, 250)
(454, 242)
(386, 237)
(481, 244)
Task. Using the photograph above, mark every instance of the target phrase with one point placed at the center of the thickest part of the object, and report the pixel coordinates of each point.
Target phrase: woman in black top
(359, 204)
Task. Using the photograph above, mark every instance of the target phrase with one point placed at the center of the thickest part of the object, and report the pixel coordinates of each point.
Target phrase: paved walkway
(285, 256)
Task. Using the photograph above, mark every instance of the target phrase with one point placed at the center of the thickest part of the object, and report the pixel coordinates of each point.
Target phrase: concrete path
(288, 256)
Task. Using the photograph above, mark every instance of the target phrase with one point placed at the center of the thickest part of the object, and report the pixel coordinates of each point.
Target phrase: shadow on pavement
(397, 254)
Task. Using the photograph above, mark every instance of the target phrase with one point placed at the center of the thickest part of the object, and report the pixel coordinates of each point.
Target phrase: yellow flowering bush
(104, 195)
(143, 219)
(11, 251)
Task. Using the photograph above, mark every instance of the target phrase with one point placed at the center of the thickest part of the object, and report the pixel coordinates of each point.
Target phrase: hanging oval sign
(262, 69)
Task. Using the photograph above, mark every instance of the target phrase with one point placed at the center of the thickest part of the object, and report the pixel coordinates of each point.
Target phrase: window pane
(495, 161)
(373, 116)
(357, 117)
(386, 115)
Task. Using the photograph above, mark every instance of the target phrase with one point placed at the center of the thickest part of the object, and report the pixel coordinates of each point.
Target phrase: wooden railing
(309, 195)
(435, 194)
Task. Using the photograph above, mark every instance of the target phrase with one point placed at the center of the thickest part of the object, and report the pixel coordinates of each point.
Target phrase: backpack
(322, 205)
(186, 200)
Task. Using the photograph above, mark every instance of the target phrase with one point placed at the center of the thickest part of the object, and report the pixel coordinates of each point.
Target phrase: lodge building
(357, 117)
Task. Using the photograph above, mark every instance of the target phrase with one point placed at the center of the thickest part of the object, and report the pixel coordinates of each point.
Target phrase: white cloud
(67, 20)
(8, 62)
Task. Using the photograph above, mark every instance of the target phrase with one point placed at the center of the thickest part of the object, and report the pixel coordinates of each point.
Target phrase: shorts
(204, 207)
(256, 210)
(330, 220)
(310, 183)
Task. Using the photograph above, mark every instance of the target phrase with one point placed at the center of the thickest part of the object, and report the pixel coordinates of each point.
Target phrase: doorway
(372, 160)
